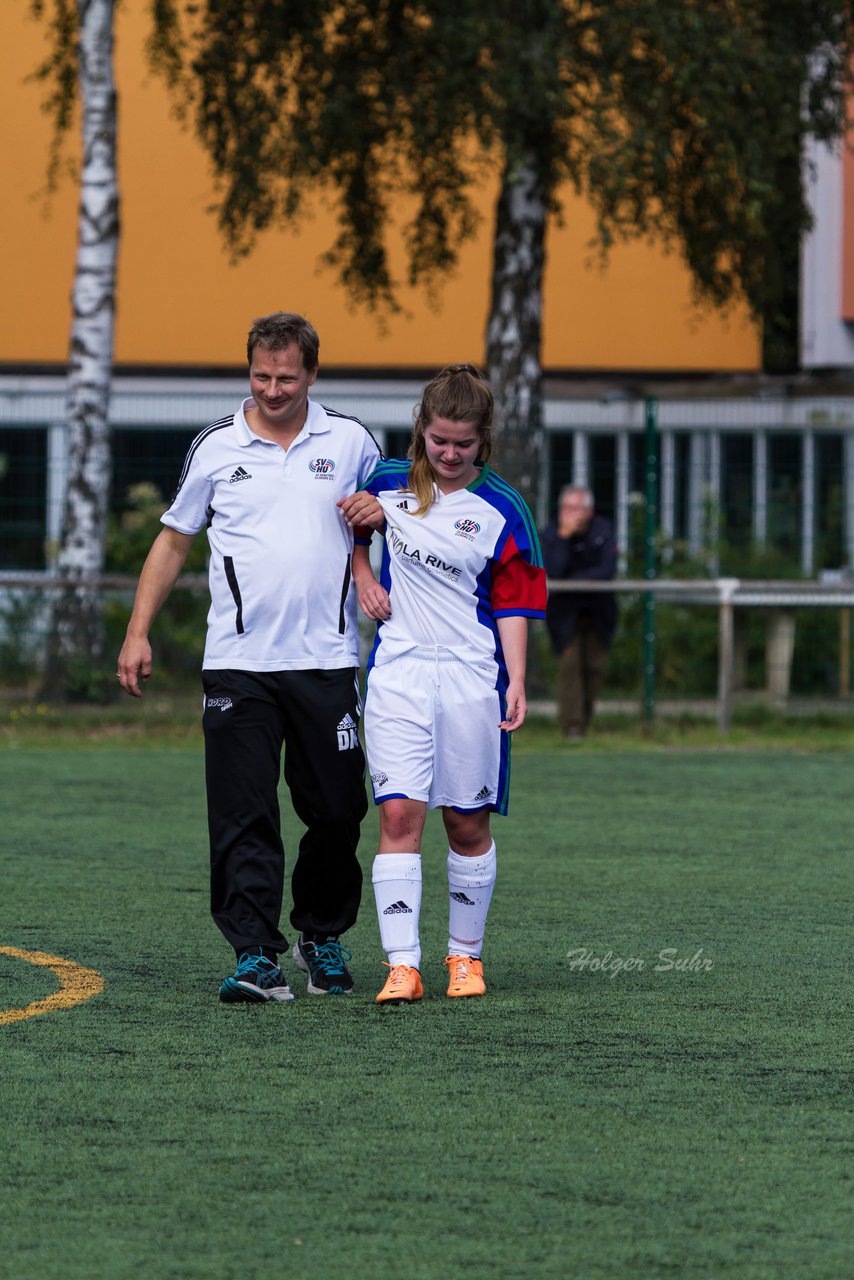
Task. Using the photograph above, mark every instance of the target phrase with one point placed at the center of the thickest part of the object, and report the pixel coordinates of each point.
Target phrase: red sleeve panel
(518, 587)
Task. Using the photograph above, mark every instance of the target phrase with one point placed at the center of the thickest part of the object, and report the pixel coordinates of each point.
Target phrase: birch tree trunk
(76, 636)
(514, 328)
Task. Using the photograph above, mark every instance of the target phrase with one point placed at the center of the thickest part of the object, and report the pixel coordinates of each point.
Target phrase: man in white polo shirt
(281, 659)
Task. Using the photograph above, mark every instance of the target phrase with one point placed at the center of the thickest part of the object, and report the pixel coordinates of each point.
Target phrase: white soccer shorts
(431, 732)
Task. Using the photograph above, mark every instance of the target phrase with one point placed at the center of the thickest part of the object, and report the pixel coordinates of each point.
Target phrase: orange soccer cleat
(465, 976)
(402, 986)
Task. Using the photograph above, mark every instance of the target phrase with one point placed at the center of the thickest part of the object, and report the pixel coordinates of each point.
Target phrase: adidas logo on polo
(240, 474)
(461, 897)
(483, 794)
(348, 734)
(398, 909)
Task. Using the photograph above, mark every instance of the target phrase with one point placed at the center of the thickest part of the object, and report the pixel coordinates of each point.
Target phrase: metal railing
(781, 598)
(728, 594)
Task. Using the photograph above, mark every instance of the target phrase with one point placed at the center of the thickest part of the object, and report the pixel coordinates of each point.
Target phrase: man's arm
(362, 508)
(159, 574)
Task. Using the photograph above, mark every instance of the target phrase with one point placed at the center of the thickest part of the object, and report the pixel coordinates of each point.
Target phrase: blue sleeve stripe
(389, 469)
(519, 613)
(517, 502)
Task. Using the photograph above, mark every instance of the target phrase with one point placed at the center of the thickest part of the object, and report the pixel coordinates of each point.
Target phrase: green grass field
(584, 1120)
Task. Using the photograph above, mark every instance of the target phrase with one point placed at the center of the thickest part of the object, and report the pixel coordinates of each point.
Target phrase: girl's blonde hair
(459, 393)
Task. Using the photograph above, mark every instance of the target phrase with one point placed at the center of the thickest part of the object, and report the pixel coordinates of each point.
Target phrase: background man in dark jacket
(579, 545)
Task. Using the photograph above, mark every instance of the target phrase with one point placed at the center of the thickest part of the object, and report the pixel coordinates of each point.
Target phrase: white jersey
(280, 576)
(472, 558)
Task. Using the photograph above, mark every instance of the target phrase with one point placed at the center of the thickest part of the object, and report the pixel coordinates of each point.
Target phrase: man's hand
(572, 522)
(159, 575)
(362, 508)
(134, 665)
(574, 514)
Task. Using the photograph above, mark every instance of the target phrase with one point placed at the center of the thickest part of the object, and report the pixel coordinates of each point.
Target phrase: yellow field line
(75, 984)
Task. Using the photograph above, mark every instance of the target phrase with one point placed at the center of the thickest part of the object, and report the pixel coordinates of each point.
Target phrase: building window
(830, 501)
(681, 484)
(560, 466)
(603, 473)
(736, 510)
(785, 454)
(23, 497)
(147, 456)
(638, 467)
(397, 442)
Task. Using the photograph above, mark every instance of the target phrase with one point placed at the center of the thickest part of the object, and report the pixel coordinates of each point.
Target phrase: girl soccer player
(461, 575)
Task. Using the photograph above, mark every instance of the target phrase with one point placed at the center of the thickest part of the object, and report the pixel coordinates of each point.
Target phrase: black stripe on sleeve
(200, 438)
(333, 413)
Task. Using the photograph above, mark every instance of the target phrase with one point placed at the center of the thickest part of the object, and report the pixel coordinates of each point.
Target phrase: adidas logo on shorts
(348, 734)
(483, 794)
(398, 909)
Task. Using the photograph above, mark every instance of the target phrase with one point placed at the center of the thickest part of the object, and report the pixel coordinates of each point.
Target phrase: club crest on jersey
(467, 529)
(322, 468)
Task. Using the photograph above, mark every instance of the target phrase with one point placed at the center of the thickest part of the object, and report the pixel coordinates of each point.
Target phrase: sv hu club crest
(467, 528)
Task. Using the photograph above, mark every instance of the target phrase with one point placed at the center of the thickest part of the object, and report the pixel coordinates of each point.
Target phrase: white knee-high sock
(397, 890)
(470, 884)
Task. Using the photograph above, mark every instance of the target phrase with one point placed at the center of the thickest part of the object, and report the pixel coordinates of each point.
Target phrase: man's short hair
(576, 488)
(279, 330)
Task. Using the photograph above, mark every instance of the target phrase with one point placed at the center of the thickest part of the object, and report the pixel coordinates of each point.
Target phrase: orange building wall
(180, 301)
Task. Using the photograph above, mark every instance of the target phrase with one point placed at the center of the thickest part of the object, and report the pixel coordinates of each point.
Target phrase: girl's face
(451, 449)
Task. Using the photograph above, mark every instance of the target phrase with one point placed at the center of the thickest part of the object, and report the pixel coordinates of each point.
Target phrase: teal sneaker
(326, 966)
(255, 979)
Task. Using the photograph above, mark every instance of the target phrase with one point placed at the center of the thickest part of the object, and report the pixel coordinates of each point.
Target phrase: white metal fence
(777, 601)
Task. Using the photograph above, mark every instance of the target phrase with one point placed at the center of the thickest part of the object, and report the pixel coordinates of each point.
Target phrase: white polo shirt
(280, 578)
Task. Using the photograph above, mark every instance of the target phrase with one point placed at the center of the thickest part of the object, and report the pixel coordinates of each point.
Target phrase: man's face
(279, 383)
(575, 512)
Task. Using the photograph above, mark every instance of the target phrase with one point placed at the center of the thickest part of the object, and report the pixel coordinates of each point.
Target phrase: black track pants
(248, 717)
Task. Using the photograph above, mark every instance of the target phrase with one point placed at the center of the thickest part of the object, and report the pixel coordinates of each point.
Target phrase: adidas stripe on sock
(397, 890)
(470, 885)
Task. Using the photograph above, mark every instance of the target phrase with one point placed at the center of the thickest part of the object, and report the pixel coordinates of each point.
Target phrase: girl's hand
(373, 599)
(517, 706)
